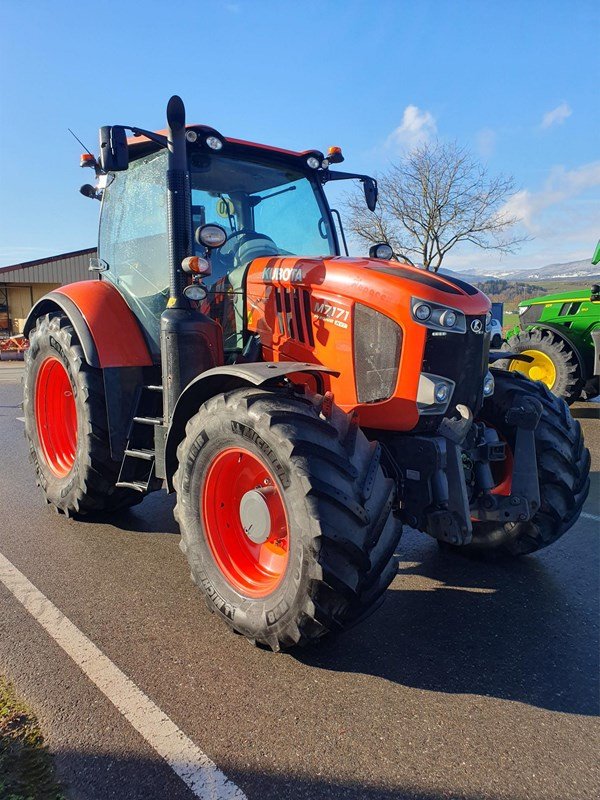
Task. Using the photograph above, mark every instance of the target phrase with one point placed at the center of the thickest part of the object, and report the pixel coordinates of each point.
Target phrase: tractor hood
(368, 280)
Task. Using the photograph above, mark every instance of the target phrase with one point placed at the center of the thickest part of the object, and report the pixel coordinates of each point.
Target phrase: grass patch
(26, 768)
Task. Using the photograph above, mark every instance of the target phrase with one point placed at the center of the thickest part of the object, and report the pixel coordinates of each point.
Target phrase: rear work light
(377, 349)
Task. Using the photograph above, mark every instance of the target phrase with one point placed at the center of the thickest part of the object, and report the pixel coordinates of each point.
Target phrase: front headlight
(488, 385)
(377, 348)
(439, 318)
(434, 393)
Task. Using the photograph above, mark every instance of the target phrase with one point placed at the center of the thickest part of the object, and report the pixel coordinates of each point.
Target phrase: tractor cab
(270, 203)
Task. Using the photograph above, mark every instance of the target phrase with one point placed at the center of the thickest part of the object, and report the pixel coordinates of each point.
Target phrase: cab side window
(134, 241)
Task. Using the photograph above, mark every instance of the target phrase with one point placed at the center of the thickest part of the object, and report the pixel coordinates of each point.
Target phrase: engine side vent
(294, 314)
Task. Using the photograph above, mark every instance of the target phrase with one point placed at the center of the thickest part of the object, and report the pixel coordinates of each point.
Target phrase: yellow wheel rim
(540, 369)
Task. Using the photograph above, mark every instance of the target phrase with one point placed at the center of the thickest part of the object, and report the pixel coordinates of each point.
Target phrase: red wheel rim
(56, 416)
(245, 522)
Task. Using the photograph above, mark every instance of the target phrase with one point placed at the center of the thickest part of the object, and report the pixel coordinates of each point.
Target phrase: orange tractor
(302, 404)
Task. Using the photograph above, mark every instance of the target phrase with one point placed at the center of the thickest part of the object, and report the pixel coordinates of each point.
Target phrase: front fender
(223, 379)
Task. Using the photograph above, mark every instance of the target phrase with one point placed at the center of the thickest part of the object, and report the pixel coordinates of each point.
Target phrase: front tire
(563, 468)
(66, 424)
(286, 517)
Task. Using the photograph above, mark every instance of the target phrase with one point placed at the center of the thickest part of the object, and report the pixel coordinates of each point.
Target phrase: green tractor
(559, 337)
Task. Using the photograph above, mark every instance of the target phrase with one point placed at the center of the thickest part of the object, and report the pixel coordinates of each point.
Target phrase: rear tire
(567, 382)
(341, 537)
(563, 466)
(66, 424)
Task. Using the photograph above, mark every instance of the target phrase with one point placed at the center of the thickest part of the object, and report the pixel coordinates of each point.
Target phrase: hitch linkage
(432, 469)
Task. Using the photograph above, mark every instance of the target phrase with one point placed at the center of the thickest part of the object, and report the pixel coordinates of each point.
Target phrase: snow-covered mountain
(582, 271)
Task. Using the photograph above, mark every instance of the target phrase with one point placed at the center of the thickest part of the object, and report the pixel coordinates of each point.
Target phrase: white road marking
(590, 516)
(185, 759)
(21, 419)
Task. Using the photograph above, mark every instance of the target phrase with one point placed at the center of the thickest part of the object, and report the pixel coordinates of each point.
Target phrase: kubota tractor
(303, 405)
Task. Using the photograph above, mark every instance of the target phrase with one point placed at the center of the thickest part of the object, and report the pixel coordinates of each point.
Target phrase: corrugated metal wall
(22, 285)
(61, 270)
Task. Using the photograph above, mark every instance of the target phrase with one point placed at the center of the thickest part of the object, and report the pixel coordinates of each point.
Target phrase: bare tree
(436, 197)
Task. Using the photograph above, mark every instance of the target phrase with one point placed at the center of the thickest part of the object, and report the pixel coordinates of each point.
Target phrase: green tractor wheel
(553, 362)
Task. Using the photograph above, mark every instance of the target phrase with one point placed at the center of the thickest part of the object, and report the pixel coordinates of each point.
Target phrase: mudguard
(112, 340)
(107, 328)
(212, 382)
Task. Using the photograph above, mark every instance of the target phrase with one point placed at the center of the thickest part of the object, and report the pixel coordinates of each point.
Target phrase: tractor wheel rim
(540, 369)
(56, 416)
(245, 522)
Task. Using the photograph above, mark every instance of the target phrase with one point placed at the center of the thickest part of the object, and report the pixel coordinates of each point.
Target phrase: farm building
(21, 285)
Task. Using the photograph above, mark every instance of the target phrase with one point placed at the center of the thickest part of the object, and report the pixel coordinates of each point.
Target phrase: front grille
(463, 358)
(377, 348)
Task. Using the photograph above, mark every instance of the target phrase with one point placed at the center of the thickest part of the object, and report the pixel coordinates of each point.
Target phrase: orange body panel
(327, 290)
(113, 326)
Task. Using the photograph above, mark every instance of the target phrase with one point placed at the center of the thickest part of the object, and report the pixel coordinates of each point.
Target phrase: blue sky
(517, 82)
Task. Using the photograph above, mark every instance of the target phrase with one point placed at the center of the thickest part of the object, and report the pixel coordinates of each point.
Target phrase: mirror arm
(155, 137)
(327, 175)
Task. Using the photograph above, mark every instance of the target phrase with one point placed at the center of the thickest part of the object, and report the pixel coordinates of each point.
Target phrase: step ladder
(137, 467)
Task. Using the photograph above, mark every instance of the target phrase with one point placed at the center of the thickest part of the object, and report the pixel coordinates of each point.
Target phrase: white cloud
(562, 216)
(417, 127)
(560, 186)
(557, 116)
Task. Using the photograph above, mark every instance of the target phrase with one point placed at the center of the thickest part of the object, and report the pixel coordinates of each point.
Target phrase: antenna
(81, 143)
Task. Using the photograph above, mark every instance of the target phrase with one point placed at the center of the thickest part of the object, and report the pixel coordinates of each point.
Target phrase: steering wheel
(237, 239)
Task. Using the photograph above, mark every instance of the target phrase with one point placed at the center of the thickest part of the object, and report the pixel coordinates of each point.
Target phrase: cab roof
(140, 146)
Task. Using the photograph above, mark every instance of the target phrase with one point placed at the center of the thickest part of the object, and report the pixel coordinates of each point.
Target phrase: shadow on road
(154, 515)
(590, 411)
(145, 779)
(505, 629)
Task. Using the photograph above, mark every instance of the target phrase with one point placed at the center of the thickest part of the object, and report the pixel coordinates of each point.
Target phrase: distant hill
(569, 271)
(581, 272)
(469, 277)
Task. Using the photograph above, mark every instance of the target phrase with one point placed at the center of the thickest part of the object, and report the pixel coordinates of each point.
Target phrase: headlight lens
(441, 392)
(377, 348)
(214, 143)
(422, 311)
(488, 385)
(448, 319)
(488, 320)
(313, 162)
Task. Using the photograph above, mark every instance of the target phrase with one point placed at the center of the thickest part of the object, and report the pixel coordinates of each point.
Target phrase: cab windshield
(267, 210)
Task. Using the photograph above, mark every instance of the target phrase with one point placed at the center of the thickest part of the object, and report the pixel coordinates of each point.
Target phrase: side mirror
(370, 187)
(114, 153)
(381, 250)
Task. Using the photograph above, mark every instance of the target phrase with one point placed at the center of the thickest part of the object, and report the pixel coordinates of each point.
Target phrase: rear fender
(215, 381)
(111, 339)
(107, 328)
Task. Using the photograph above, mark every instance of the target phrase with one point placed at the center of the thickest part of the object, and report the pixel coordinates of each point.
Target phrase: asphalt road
(474, 680)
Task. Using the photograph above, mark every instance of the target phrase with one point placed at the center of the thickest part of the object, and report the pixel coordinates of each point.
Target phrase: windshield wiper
(254, 201)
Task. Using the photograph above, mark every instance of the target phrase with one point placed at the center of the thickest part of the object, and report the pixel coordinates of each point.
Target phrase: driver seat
(254, 245)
